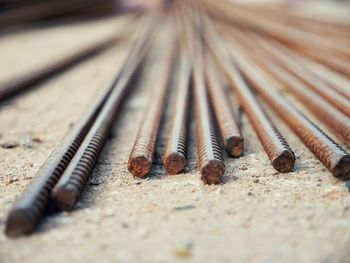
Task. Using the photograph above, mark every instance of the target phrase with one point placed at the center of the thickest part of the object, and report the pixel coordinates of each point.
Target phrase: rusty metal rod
(28, 209)
(275, 146)
(322, 50)
(292, 36)
(142, 154)
(333, 156)
(230, 133)
(337, 81)
(281, 14)
(210, 161)
(284, 58)
(175, 154)
(324, 111)
(333, 79)
(37, 76)
(338, 64)
(340, 25)
(72, 183)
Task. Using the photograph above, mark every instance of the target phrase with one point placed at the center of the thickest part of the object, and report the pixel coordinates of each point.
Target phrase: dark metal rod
(285, 59)
(28, 209)
(24, 82)
(73, 181)
(323, 50)
(333, 156)
(211, 163)
(142, 154)
(280, 154)
(230, 133)
(175, 154)
(324, 111)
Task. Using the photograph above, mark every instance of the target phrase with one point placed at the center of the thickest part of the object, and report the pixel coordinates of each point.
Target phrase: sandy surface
(256, 215)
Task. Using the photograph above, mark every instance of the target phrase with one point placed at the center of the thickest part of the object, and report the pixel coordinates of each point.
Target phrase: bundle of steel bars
(265, 55)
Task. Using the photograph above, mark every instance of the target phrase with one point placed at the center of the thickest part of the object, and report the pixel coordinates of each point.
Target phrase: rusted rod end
(139, 166)
(65, 196)
(174, 163)
(19, 222)
(284, 162)
(212, 171)
(234, 146)
(341, 169)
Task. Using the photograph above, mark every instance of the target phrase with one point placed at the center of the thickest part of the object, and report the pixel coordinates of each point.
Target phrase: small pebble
(13, 179)
(26, 143)
(219, 191)
(9, 145)
(37, 140)
(183, 208)
(94, 182)
(184, 251)
(256, 180)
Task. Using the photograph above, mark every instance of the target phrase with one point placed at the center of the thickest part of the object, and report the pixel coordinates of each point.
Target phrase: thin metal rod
(333, 156)
(293, 36)
(20, 83)
(285, 59)
(338, 122)
(142, 154)
(67, 191)
(211, 163)
(28, 209)
(275, 146)
(337, 81)
(323, 50)
(175, 154)
(230, 133)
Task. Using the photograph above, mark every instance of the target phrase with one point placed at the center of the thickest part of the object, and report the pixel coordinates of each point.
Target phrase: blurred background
(23, 12)
(14, 13)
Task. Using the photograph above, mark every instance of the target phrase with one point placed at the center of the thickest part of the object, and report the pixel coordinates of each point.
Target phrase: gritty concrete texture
(256, 215)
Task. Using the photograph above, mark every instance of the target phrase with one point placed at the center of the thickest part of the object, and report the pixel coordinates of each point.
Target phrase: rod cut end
(175, 163)
(341, 169)
(284, 163)
(139, 166)
(19, 222)
(234, 146)
(212, 171)
(65, 196)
